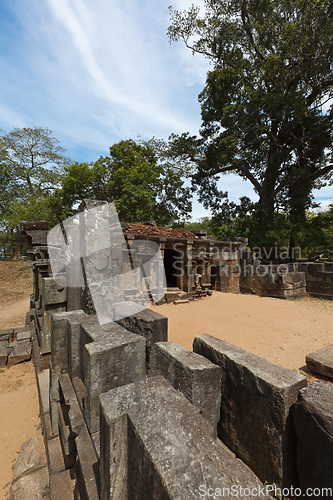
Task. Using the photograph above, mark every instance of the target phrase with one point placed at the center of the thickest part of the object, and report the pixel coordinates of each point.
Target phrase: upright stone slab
(147, 323)
(313, 418)
(156, 445)
(195, 376)
(54, 298)
(65, 353)
(113, 357)
(256, 399)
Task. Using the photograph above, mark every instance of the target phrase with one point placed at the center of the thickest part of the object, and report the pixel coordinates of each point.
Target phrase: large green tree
(142, 187)
(31, 166)
(266, 110)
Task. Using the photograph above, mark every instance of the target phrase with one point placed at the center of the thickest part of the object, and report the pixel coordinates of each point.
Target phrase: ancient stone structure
(127, 415)
(256, 394)
(319, 279)
(193, 375)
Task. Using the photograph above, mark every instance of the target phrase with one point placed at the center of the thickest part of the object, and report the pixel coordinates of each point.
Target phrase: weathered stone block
(256, 399)
(116, 357)
(45, 337)
(32, 458)
(52, 292)
(31, 486)
(313, 418)
(4, 353)
(321, 361)
(59, 342)
(21, 352)
(37, 237)
(23, 336)
(195, 376)
(75, 320)
(6, 334)
(65, 353)
(149, 324)
(155, 444)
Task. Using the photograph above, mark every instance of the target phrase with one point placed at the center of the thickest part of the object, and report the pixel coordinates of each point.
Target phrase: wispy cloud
(98, 72)
(103, 67)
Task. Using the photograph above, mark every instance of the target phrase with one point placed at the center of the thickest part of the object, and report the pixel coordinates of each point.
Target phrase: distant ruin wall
(319, 279)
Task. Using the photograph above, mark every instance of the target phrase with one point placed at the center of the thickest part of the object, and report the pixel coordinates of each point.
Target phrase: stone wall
(319, 279)
(284, 281)
(128, 415)
(117, 428)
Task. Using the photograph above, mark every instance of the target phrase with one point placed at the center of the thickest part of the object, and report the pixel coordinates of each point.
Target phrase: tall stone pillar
(190, 277)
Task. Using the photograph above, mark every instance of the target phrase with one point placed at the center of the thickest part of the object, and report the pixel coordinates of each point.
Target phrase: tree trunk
(18, 247)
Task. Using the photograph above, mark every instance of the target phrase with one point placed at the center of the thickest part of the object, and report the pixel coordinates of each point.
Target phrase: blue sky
(99, 72)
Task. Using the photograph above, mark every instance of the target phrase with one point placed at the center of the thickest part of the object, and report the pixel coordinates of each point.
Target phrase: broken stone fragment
(31, 475)
(21, 352)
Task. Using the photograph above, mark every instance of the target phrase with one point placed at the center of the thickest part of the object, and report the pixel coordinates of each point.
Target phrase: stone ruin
(128, 415)
(15, 346)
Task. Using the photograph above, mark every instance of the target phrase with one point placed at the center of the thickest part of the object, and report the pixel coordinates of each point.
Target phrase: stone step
(171, 296)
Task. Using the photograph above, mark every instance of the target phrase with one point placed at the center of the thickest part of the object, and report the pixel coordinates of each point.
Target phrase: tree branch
(321, 172)
(317, 90)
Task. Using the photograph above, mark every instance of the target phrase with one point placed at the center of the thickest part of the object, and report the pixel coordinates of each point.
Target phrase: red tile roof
(151, 230)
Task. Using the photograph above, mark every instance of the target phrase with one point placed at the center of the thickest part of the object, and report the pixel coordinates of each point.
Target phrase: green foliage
(202, 223)
(31, 166)
(142, 187)
(263, 106)
(314, 236)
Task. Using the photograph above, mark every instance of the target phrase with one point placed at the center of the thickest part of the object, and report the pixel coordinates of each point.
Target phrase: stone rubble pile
(15, 346)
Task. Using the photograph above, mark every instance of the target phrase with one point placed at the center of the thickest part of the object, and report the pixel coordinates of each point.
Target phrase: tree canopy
(141, 187)
(31, 165)
(266, 107)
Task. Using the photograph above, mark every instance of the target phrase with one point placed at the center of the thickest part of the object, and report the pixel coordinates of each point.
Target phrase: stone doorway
(171, 267)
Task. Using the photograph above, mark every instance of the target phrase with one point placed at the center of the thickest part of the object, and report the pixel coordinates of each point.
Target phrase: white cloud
(101, 72)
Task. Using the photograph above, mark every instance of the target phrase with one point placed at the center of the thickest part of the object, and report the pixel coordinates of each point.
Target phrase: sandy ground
(19, 409)
(281, 331)
(19, 417)
(13, 315)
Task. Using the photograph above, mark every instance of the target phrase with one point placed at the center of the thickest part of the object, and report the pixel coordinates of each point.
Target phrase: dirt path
(14, 314)
(19, 417)
(19, 408)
